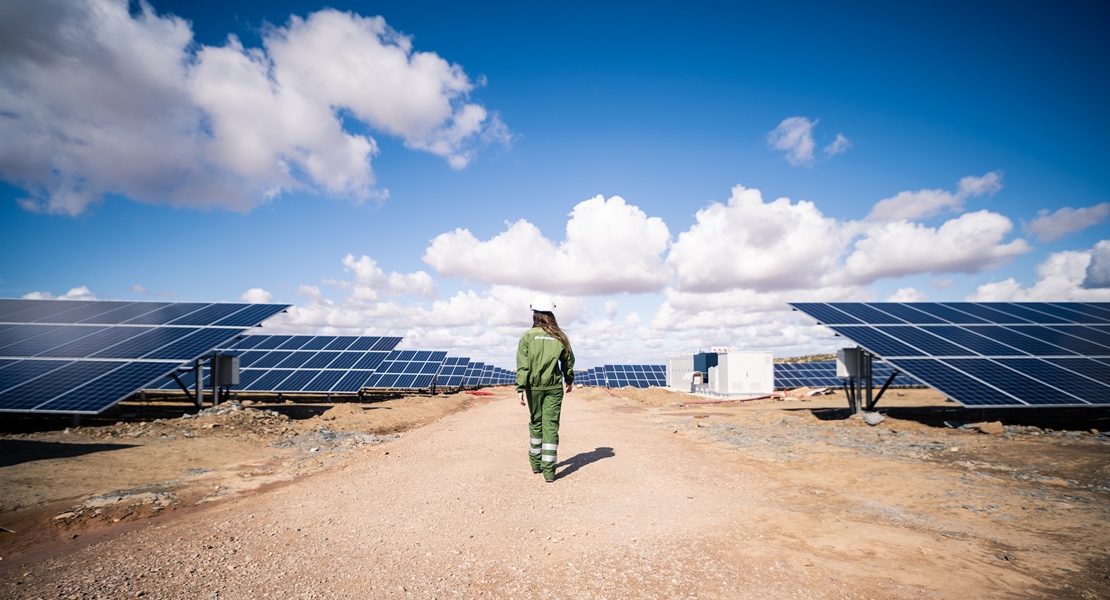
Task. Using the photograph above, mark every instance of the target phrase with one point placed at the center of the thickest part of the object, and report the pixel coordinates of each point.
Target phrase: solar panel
(306, 364)
(997, 354)
(82, 357)
(453, 372)
(823, 374)
(639, 376)
(407, 370)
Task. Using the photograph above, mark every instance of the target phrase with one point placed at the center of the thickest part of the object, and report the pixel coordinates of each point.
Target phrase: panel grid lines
(1000, 354)
(82, 357)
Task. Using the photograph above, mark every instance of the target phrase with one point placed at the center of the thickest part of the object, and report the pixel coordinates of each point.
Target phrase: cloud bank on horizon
(725, 280)
(100, 101)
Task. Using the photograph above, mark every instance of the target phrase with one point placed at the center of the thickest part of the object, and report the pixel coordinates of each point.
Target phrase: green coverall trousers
(543, 429)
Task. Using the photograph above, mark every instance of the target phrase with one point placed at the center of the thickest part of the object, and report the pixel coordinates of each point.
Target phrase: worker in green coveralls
(544, 369)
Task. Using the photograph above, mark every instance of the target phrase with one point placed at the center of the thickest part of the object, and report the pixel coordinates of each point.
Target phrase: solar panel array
(823, 374)
(303, 363)
(452, 372)
(615, 376)
(990, 354)
(407, 369)
(82, 357)
(346, 365)
(480, 374)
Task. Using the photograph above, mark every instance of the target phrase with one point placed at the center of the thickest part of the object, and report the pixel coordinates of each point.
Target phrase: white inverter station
(741, 374)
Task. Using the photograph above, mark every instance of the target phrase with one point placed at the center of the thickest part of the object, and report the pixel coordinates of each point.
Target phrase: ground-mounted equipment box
(848, 363)
(746, 373)
(679, 369)
(226, 369)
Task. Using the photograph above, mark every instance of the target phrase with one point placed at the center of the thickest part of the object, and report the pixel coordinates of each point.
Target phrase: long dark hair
(546, 321)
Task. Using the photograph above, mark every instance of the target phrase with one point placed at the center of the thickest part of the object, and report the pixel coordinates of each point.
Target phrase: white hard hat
(543, 303)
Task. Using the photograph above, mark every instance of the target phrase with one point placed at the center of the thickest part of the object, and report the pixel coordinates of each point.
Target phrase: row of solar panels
(617, 376)
(346, 364)
(823, 374)
(103, 312)
(61, 356)
(987, 354)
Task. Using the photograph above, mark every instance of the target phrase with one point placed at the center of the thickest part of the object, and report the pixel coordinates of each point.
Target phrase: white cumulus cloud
(257, 296)
(97, 100)
(923, 204)
(970, 243)
(77, 293)
(610, 247)
(749, 243)
(1098, 271)
(1061, 277)
(1049, 227)
(794, 135)
(370, 279)
(907, 294)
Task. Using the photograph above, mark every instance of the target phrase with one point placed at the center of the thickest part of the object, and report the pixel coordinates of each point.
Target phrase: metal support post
(198, 385)
(214, 369)
(865, 375)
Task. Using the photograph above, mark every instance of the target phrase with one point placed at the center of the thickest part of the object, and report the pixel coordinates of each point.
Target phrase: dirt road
(646, 506)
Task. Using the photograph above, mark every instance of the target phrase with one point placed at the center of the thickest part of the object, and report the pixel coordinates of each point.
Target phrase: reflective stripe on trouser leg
(551, 403)
(549, 453)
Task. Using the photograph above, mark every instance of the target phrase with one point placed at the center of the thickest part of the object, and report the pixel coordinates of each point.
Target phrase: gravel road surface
(452, 510)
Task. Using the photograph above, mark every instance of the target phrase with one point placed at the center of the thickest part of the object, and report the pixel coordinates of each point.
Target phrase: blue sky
(142, 186)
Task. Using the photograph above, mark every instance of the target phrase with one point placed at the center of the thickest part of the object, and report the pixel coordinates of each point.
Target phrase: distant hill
(807, 358)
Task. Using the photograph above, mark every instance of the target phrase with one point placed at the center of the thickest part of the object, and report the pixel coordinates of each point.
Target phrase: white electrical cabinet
(748, 373)
(679, 367)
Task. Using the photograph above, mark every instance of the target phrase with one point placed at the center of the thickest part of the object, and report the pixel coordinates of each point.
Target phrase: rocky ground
(657, 497)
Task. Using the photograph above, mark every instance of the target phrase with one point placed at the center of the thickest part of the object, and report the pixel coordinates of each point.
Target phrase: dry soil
(656, 498)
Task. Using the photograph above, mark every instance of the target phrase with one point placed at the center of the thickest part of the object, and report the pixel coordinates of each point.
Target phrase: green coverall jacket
(541, 362)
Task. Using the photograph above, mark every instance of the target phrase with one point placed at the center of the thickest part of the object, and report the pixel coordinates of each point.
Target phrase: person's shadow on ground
(582, 459)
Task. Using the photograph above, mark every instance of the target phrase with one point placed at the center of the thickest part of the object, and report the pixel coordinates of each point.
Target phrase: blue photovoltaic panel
(209, 314)
(1087, 310)
(340, 342)
(251, 315)
(996, 354)
(17, 372)
(927, 343)
(877, 341)
(407, 369)
(616, 376)
(473, 374)
(1089, 333)
(61, 356)
(867, 314)
(305, 363)
(106, 389)
(293, 343)
(944, 313)
(33, 393)
(826, 314)
(318, 342)
(453, 372)
(967, 338)
(165, 314)
(1063, 340)
(956, 384)
(986, 313)
(1068, 315)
